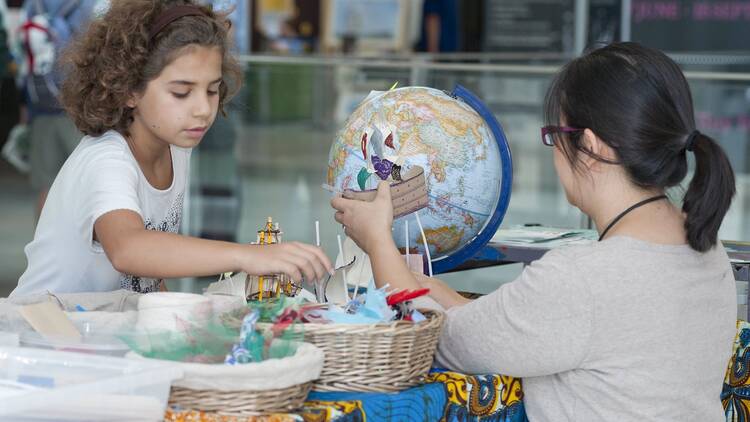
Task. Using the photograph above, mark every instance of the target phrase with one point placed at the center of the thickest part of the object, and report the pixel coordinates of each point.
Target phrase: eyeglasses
(548, 133)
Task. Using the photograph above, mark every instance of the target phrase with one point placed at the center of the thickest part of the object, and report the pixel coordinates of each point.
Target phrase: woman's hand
(367, 223)
(296, 260)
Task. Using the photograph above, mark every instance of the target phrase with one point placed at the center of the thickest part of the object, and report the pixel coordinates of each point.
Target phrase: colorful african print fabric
(735, 396)
(445, 396)
(179, 415)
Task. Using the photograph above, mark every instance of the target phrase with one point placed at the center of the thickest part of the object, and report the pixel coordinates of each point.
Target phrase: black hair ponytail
(709, 195)
(638, 102)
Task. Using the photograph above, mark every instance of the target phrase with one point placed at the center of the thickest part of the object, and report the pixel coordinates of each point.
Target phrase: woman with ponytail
(638, 326)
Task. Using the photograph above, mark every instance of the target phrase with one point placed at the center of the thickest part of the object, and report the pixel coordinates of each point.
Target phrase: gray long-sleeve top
(620, 330)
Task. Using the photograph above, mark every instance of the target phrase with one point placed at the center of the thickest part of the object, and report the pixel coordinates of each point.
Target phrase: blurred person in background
(439, 26)
(47, 28)
(8, 92)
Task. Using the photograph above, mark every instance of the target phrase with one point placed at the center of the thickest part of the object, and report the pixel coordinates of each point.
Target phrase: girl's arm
(441, 292)
(134, 250)
(369, 225)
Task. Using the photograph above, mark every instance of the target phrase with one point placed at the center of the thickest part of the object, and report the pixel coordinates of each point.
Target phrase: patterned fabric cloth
(735, 396)
(175, 415)
(446, 396)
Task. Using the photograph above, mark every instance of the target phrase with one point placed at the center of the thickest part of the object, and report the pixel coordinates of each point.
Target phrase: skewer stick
(406, 234)
(317, 233)
(343, 258)
(426, 246)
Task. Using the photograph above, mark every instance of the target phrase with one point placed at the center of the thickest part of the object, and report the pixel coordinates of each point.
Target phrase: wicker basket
(241, 403)
(271, 386)
(375, 358)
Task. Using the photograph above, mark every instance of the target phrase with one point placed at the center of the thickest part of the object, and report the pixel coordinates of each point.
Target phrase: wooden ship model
(408, 193)
(273, 285)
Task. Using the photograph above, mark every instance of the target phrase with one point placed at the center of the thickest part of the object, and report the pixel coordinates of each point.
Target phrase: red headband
(172, 14)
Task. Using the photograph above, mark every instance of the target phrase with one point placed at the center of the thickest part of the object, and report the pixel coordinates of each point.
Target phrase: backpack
(43, 35)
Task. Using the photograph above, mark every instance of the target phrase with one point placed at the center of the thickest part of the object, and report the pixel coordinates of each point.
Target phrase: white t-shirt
(101, 175)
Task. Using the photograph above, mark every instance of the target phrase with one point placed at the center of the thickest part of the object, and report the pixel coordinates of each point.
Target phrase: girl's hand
(134, 250)
(367, 223)
(296, 260)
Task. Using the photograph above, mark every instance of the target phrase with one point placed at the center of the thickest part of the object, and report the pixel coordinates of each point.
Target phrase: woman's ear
(594, 150)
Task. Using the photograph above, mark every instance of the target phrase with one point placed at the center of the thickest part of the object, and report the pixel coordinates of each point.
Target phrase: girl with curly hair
(144, 85)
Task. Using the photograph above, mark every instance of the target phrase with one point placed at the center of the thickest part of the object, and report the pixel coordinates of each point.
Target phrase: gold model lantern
(274, 285)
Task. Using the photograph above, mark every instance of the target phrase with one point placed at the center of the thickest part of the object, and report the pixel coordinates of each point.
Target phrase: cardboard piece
(49, 321)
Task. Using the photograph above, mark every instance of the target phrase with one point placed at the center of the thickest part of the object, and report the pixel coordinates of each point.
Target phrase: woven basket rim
(432, 317)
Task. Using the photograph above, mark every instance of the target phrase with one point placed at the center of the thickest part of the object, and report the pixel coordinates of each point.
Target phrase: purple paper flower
(382, 167)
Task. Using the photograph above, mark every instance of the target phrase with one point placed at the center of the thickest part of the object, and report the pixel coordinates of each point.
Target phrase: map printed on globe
(445, 136)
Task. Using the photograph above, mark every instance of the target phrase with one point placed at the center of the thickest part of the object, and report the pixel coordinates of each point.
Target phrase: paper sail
(362, 177)
(376, 140)
(360, 273)
(389, 141)
(355, 262)
(363, 145)
(382, 167)
(333, 289)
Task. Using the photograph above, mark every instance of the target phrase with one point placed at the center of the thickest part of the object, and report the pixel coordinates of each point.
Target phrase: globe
(462, 149)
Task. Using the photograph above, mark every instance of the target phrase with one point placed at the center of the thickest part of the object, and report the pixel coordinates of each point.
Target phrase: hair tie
(172, 14)
(689, 144)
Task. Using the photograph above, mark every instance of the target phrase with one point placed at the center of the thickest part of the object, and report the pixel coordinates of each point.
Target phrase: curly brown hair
(115, 59)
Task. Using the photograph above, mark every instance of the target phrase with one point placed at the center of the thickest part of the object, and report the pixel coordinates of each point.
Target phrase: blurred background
(308, 63)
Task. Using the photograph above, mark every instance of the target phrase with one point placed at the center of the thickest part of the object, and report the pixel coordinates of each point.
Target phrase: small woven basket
(375, 358)
(251, 389)
(241, 403)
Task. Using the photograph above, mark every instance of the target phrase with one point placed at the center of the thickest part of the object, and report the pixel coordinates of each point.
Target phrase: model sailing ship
(273, 285)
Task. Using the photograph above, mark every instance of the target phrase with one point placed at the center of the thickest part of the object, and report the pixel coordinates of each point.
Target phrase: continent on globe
(444, 237)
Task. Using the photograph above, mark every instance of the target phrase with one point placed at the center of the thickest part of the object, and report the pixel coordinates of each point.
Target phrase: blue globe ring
(471, 248)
